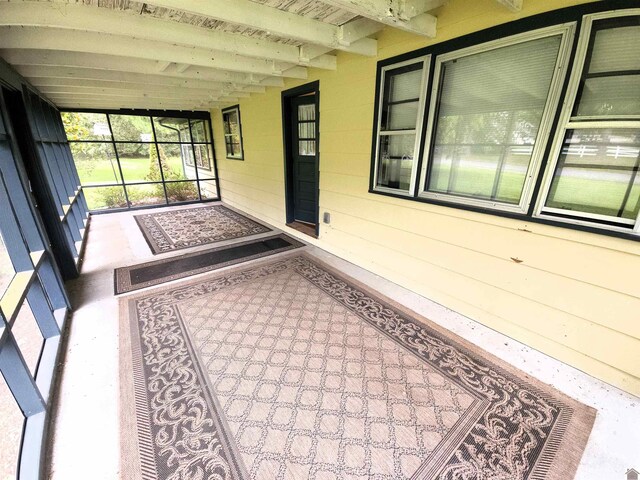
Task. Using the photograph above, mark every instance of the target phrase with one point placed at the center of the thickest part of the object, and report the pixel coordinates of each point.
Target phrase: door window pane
(86, 126)
(307, 130)
(491, 106)
(96, 163)
(131, 128)
(307, 147)
(171, 129)
(396, 161)
(306, 112)
(598, 173)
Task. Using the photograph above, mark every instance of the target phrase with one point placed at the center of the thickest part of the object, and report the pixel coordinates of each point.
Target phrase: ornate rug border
(574, 430)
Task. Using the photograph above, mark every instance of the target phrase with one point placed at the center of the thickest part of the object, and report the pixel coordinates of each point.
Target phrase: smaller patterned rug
(191, 227)
(135, 277)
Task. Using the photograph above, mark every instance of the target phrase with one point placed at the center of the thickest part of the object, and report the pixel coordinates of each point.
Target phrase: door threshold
(304, 227)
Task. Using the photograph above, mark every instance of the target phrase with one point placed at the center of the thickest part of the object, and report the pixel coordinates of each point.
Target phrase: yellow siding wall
(575, 296)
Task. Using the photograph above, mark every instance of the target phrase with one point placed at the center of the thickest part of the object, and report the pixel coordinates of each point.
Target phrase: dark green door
(305, 158)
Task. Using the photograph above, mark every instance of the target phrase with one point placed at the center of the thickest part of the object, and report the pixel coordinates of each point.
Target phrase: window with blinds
(490, 120)
(538, 125)
(595, 174)
(401, 109)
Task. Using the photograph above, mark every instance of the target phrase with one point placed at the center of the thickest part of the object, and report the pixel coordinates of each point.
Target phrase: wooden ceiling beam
(21, 58)
(135, 48)
(408, 15)
(277, 22)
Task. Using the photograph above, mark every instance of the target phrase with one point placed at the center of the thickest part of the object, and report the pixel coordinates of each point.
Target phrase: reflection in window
(597, 173)
(232, 133)
(490, 110)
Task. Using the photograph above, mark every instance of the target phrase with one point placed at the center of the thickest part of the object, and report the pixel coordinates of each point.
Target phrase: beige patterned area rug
(287, 369)
(190, 227)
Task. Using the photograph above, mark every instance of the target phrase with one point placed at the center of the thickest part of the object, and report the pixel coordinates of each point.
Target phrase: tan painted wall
(575, 296)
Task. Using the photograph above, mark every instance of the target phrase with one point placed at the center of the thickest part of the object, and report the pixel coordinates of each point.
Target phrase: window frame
(575, 13)
(225, 112)
(568, 121)
(418, 131)
(203, 176)
(567, 32)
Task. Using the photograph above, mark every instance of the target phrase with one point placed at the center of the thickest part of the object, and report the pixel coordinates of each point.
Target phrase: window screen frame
(225, 113)
(418, 131)
(567, 33)
(569, 121)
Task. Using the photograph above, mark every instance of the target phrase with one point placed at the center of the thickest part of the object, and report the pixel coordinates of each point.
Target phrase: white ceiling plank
(124, 94)
(135, 88)
(71, 75)
(262, 17)
(20, 57)
(71, 103)
(513, 5)
(408, 15)
(117, 22)
(182, 68)
(85, 84)
(125, 101)
(106, 44)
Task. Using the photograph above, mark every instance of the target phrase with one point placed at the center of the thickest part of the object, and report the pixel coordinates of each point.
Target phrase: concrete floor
(85, 428)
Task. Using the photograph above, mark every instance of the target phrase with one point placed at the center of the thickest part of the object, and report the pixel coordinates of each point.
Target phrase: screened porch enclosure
(400, 239)
(133, 161)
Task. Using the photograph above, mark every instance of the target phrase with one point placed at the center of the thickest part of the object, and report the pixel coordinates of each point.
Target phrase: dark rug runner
(189, 227)
(287, 369)
(135, 277)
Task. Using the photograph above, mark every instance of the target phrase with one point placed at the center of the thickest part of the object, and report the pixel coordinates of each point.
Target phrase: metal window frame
(426, 65)
(150, 114)
(567, 122)
(567, 33)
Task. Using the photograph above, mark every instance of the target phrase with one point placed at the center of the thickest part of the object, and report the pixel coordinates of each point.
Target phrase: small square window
(233, 132)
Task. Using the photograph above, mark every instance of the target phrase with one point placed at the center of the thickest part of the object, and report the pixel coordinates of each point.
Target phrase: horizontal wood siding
(571, 294)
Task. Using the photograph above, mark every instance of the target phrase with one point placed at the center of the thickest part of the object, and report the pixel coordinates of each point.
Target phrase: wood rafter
(513, 5)
(281, 23)
(115, 22)
(106, 44)
(123, 64)
(409, 15)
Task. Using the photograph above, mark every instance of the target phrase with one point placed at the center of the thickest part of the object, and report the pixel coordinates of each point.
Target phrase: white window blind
(490, 110)
(595, 176)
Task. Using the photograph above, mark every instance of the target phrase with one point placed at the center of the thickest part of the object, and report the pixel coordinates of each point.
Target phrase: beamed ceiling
(190, 54)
